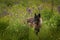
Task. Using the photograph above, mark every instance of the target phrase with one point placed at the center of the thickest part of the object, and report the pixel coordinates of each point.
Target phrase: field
(13, 15)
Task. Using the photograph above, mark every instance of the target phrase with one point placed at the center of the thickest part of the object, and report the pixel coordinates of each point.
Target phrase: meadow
(13, 15)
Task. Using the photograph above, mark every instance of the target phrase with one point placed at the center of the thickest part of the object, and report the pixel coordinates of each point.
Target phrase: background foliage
(13, 15)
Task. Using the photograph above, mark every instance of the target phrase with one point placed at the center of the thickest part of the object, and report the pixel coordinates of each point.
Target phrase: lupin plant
(29, 10)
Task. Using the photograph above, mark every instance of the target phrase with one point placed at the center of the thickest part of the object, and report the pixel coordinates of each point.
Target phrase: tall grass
(14, 26)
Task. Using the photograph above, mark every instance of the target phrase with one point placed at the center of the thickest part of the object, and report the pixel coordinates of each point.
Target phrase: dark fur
(37, 23)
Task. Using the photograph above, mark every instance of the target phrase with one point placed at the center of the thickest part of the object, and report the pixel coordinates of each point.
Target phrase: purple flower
(29, 10)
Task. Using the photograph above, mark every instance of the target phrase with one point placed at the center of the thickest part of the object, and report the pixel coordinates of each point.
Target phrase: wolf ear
(39, 15)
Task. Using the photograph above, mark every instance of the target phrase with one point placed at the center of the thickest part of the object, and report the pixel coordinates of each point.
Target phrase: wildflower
(29, 10)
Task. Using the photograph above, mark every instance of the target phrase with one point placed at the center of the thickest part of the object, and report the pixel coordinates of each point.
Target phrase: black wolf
(36, 21)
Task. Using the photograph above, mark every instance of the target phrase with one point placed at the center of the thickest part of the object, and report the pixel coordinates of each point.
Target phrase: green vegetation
(13, 25)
